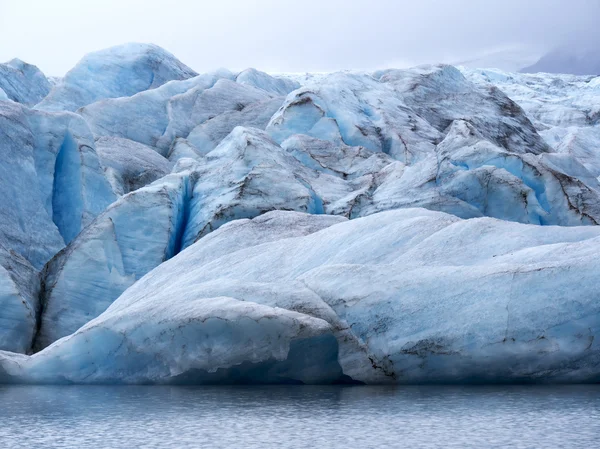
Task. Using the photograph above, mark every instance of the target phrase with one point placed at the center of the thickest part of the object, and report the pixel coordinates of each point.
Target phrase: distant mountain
(568, 60)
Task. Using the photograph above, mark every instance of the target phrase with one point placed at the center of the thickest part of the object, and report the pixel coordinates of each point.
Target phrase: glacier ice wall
(153, 217)
(23, 83)
(119, 71)
(409, 296)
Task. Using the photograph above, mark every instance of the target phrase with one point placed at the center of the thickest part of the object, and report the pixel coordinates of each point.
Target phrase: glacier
(129, 165)
(23, 83)
(398, 297)
(115, 72)
(436, 224)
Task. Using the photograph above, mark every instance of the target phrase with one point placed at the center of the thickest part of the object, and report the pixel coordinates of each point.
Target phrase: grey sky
(291, 35)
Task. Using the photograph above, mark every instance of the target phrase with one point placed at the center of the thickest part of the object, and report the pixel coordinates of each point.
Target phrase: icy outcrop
(516, 187)
(406, 296)
(22, 82)
(441, 94)
(469, 176)
(564, 108)
(247, 175)
(135, 234)
(183, 149)
(119, 71)
(357, 110)
(549, 100)
(333, 158)
(129, 165)
(206, 136)
(51, 182)
(580, 142)
(264, 81)
(19, 302)
(157, 117)
(323, 228)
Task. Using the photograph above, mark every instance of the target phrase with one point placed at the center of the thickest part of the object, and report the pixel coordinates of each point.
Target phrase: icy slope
(129, 165)
(22, 82)
(156, 161)
(262, 80)
(441, 94)
(19, 302)
(115, 72)
(397, 297)
(565, 109)
(156, 117)
(51, 181)
(358, 110)
(135, 234)
(245, 176)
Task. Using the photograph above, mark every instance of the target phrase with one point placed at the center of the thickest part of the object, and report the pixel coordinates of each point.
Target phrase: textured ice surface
(119, 71)
(441, 94)
(470, 176)
(247, 175)
(19, 302)
(135, 234)
(157, 117)
(51, 182)
(262, 80)
(129, 165)
(564, 108)
(206, 136)
(402, 296)
(22, 82)
(174, 178)
(333, 158)
(358, 110)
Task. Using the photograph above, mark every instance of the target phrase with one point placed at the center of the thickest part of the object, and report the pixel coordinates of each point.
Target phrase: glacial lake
(300, 417)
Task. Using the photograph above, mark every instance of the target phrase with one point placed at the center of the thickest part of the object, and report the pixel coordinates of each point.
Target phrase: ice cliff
(426, 225)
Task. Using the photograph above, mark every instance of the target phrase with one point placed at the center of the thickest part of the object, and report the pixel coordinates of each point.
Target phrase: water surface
(300, 417)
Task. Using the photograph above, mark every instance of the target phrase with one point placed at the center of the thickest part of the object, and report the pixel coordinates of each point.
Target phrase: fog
(307, 35)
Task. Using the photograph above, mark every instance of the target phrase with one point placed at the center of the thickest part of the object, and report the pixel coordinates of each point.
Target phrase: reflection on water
(300, 417)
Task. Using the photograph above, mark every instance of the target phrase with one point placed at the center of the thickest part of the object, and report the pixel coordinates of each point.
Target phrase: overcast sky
(291, 35)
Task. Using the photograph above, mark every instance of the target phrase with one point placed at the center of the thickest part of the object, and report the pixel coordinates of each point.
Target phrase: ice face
(397, 297)
(129, 165)
(19, 302)
(135, 234)
(335, 159)
(157, 117)
(119, 71)
(245, 176)
(264, 81)
(171, 206)
(51, 181)
(206, 136)
(441, 95)
(564, 108)
(22, 82)
(359, 110)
